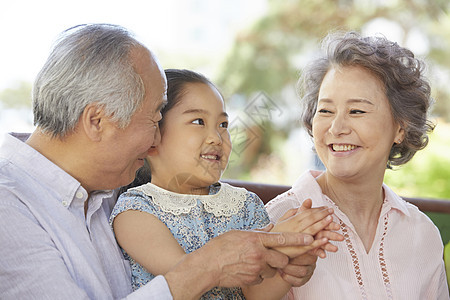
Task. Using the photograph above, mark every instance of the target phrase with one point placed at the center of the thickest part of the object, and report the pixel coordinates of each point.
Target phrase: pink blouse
(405, 261)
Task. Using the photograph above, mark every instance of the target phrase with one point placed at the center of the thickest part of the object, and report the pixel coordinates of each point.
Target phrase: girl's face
(353, 127)
(195, 142)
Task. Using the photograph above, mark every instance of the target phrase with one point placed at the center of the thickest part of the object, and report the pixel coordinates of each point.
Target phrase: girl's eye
(324, 111)
(198, 122)
(224, 124)
(357, 111)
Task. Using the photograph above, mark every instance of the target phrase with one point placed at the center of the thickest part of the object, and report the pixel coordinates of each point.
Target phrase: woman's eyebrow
(360, 100)
(353, 100)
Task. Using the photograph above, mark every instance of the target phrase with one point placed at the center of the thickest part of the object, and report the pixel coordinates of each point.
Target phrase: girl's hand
(305, 219)
(317, 222)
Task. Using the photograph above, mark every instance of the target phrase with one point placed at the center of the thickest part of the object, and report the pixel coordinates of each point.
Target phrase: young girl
(184, 205)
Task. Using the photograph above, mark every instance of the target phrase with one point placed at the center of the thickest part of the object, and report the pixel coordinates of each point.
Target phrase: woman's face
(353, 127)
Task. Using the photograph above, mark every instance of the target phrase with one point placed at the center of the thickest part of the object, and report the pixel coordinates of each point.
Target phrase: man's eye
(224, 124)
(198, 122)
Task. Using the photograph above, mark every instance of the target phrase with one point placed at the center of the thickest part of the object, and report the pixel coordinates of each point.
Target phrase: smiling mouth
(342, 147)
(210, 157)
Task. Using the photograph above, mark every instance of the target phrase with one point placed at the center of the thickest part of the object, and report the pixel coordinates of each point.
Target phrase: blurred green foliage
(427, 175)
(269, 55)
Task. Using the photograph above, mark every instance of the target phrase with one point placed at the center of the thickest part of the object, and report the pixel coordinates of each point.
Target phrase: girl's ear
(93, 121)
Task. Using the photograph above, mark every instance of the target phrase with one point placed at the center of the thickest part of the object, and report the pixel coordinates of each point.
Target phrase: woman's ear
(400, 135)
(93, 120)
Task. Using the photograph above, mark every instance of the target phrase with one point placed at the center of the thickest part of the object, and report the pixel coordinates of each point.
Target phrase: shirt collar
(33, 163)
(395, 201)
(307, 185)
(313, 191)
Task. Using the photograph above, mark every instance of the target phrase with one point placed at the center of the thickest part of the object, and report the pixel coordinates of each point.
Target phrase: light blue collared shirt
(48, 248)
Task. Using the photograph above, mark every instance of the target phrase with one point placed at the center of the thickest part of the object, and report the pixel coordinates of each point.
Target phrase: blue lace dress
(194, 220)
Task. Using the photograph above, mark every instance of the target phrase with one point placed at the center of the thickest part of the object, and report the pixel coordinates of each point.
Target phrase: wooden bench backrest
(437, 209)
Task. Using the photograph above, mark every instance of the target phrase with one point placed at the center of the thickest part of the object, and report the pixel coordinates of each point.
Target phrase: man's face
(125, 149)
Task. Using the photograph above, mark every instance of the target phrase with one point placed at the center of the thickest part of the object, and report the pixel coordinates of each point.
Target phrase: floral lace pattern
(381, 259)
(354, 255)
(355, 260)
(227, 202)
(383, 266)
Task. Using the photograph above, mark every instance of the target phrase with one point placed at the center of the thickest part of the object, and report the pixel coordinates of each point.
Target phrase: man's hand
(246, 258)
(234, 258)
(299, 270)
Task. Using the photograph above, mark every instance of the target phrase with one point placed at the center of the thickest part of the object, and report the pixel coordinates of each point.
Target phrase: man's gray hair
(88, 64)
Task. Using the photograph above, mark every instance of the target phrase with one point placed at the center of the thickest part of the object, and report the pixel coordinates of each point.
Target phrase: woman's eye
(357, 111)
(224, 124)
(198, 122)
(324, 111)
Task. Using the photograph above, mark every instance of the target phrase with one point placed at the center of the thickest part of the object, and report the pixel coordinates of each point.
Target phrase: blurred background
(254, 51)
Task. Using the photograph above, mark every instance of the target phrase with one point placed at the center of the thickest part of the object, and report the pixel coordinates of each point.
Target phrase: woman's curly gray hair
(406, 87)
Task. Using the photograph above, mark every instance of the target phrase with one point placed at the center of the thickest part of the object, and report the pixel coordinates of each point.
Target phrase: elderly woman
(366, 103)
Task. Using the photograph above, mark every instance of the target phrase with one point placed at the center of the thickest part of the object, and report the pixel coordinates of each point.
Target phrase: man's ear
(93, 121)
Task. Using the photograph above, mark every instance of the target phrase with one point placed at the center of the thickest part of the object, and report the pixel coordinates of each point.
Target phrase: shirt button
(79, 195)
(65, 203)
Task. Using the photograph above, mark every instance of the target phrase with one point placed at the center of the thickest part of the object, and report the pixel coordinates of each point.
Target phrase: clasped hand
(317, 222)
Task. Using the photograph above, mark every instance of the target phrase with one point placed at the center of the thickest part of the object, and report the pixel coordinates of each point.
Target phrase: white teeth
(210, 157)
(343, 147)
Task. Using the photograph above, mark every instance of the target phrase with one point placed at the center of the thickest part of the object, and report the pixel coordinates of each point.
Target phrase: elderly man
(96, 104)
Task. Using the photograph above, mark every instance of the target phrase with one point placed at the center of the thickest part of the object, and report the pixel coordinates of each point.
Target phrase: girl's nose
(214, 137)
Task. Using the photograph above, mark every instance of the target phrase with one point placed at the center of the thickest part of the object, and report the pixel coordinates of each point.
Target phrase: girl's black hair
(177, 79)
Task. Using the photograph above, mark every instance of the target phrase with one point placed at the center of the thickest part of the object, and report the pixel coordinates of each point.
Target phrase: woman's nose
(339, 125)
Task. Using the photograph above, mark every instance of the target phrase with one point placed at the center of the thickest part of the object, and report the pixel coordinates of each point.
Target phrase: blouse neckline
(223, 199)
